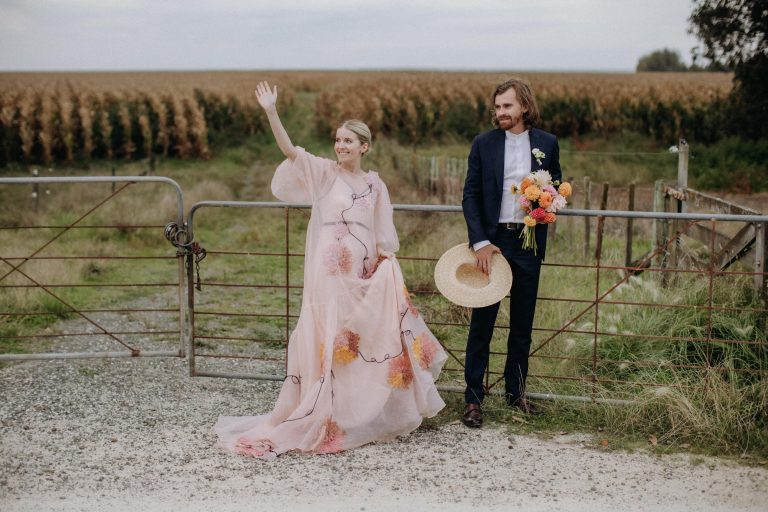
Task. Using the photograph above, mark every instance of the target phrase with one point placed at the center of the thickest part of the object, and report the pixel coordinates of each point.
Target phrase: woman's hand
(267, 98)
(383, 255)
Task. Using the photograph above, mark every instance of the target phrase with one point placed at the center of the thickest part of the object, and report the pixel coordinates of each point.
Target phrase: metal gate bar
(133, 352)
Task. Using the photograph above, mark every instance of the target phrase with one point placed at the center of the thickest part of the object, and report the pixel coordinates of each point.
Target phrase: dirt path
(134, 435)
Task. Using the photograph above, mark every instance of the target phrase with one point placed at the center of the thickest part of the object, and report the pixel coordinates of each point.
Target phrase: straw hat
(461, 282)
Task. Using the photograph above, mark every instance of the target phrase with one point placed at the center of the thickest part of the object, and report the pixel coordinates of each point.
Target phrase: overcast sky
(587, 35)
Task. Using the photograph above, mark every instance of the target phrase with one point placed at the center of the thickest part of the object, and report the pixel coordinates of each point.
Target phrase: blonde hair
(360, 129)
(524, 95)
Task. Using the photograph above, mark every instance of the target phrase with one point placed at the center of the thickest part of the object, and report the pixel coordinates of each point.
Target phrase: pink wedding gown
(361, 362)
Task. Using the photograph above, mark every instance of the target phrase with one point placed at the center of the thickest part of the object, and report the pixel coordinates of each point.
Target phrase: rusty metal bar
(46, 313)
(630, 226)
(253, 315)
(89, 226)
(107, 285)
(645, 304)
(230, 285)
(64, 335)
(710, 294)
(238, 338)
(598, 258)
(238, 356)
(287, 282)
(87, 355)
(11, 258)
(190, 263)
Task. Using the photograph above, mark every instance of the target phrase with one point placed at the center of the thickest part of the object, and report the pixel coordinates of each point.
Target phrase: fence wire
(578, 351)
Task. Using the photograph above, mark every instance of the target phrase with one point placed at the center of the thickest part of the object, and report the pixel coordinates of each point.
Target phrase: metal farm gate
(229, 348)
(59, 264)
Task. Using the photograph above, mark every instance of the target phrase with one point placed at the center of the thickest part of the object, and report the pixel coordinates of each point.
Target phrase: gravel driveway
(135, 435)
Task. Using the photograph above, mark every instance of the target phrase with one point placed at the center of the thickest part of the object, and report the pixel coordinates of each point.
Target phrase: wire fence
(604, 327)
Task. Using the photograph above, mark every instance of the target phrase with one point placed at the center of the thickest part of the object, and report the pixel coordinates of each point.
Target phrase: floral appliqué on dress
(345, 346)
(424, 349)
(400, 371)
(333, 437)
(322, 358)
(248, 448)
(338, 259)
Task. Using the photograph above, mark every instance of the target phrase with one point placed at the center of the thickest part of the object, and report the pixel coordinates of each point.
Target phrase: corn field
(423, 107)
(67, 117)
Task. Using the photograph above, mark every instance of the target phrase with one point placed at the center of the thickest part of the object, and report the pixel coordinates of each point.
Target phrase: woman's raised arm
(267, 98)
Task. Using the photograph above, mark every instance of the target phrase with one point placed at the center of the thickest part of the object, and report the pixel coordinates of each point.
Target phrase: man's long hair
(524, 95)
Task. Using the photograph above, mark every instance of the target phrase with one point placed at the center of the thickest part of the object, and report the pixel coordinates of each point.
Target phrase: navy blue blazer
(484, 184)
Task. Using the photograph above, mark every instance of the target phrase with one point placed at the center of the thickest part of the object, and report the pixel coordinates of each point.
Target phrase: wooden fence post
(682, 172)
(761, 260)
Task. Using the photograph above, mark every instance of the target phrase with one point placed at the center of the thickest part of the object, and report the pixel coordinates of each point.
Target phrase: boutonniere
(538, 155)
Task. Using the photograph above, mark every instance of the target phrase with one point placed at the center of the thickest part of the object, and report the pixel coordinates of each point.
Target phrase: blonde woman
(361, 362)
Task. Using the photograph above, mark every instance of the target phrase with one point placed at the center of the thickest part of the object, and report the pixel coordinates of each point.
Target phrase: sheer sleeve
(386, 235)
(303, 180)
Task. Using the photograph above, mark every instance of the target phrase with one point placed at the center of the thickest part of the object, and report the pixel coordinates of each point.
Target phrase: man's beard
(507, 122)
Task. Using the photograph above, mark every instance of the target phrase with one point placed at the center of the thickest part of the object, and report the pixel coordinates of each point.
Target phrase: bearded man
(498, 162)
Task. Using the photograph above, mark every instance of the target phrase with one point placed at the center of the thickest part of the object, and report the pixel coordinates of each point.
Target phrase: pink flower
(400, 371)
(538, 214)
(332, 437)
(552, 190)
(557, 203)
(424, 349)
(525, 204)
(346, 345)
(338, 259)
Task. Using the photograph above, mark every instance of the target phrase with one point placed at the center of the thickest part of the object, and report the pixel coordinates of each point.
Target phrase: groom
(497, 163)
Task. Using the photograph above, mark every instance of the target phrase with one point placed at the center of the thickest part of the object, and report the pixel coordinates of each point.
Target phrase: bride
(361, 362)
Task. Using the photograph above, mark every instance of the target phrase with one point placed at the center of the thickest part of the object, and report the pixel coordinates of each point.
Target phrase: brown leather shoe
(526, 406)
(473, 416)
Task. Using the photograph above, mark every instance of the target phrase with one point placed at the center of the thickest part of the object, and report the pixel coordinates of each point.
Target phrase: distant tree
(661, 60)
(733, 33)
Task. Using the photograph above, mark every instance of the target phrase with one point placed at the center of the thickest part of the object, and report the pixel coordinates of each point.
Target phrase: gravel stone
(135, 434)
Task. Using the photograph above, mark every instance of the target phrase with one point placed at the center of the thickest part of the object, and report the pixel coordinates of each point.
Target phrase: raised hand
(266, 97)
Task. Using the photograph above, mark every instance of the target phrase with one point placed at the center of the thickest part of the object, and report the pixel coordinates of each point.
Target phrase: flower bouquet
(540, 198)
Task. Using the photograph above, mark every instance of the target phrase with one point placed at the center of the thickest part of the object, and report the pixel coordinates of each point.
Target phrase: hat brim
(460, 281)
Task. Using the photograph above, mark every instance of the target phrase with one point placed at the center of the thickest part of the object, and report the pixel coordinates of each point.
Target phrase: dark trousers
(526, 268)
